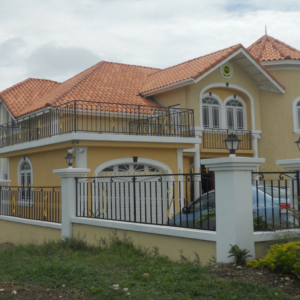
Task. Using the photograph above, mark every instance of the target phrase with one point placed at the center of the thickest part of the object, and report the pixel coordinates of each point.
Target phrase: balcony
(213, 138)
(99, 117)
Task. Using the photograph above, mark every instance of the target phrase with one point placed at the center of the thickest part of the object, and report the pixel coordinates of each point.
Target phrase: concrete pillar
(197, 166)
(234, 208)
(68, 197)
(81, 157)
(180, 178)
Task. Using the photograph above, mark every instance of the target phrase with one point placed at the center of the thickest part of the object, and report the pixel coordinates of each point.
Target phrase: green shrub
(283, 258)
(240, 255)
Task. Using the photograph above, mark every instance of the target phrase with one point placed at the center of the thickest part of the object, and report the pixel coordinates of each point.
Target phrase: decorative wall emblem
(227, 70)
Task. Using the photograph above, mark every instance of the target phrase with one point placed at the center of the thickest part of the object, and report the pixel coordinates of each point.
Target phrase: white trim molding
(31, 222)
(99, 137)
(129, 160)
(295, 116)
(276, 87)
(149, 228)
(282, 65)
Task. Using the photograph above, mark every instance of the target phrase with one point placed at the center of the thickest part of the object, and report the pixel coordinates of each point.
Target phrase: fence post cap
(289, 164)
(71, 172)
(232, 163)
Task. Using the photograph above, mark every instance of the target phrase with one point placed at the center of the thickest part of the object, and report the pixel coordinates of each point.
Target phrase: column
(68, 197)
(180, 178)
(197, 166)
(234, 208)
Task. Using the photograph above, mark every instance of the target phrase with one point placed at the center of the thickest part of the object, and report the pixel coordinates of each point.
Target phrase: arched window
(211, 113)
(26, 178)
(235, 115)
(298, 115)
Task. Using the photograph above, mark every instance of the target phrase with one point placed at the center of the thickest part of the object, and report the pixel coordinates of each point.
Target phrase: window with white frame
(235, 115)
(298, 115)
(25, 195)
(211, 113)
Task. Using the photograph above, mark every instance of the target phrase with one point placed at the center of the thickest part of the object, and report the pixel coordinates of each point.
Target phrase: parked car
(270, 209)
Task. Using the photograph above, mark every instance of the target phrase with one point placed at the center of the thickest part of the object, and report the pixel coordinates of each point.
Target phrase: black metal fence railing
(36, 203)
(156, 199)
(213, 138)
(275, 200)
(99, 117)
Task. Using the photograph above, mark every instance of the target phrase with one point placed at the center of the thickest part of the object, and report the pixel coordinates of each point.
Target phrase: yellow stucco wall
(188, 97)
(44, 162)
(18, 233)
(168, 245)
(277, 139)
(261, 248)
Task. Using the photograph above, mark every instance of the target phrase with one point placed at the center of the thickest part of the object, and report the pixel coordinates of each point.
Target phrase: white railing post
(234, 204)
(68, 197)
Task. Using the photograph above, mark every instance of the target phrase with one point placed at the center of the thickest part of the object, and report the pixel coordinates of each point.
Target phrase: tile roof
(103, 82)
(22, 95)
(190, 69)
(267, 49)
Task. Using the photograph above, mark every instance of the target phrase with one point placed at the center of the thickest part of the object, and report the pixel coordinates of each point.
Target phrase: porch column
(294, 164)
(180, 177)
(234, 208)
(68, 197)
(197, 166)
(81, 157)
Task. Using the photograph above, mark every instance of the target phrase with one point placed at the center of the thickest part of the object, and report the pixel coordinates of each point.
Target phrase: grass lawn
(72, 270)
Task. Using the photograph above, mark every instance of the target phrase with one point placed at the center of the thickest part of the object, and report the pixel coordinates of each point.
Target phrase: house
(126, 118)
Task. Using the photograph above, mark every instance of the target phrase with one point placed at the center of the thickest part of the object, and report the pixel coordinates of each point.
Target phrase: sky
(57, 39)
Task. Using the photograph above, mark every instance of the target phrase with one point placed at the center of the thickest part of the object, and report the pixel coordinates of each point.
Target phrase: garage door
(145, 199)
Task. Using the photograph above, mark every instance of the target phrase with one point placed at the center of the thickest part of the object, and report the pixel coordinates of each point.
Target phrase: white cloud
(56, 39)
(59, 63)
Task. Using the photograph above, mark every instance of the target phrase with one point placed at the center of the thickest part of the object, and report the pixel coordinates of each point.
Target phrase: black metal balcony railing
(213, 138)
(99, 117)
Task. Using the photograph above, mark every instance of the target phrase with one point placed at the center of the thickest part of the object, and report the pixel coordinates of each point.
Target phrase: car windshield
(205, 202)
(275, 192)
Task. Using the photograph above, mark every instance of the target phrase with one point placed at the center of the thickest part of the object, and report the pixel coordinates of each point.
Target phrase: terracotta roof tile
(267, 49)
(103, 82)
(22, 95)
(191, 69)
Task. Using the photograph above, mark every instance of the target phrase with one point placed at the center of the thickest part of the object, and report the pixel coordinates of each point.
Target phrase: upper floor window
(296, 115)
(211, 113)
(235, 115)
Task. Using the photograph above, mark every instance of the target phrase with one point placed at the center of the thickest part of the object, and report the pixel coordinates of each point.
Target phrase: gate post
(234, 204)
(68, 197)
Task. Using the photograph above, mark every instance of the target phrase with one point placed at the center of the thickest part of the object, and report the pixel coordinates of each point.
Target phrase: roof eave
(276, 87)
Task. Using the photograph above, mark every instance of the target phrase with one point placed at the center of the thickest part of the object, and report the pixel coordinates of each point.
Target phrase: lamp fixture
(70, 159)
(298, 143)
(232, 143)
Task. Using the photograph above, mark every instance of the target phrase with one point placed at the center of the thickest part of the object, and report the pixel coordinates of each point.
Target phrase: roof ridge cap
(195, 59)
(261, 47)
(89, 71)
(15, 86)
(281, 51)
(117, 63)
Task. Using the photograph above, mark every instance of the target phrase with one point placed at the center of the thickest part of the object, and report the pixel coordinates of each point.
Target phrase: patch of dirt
(7, 245)
(10, 290)
(287, 283)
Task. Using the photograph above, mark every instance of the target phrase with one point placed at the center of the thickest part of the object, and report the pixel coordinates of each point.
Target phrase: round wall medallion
(226, 70)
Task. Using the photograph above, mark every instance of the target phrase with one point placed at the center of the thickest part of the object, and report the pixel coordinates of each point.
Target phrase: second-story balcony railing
(99, 117)
(214, 138)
